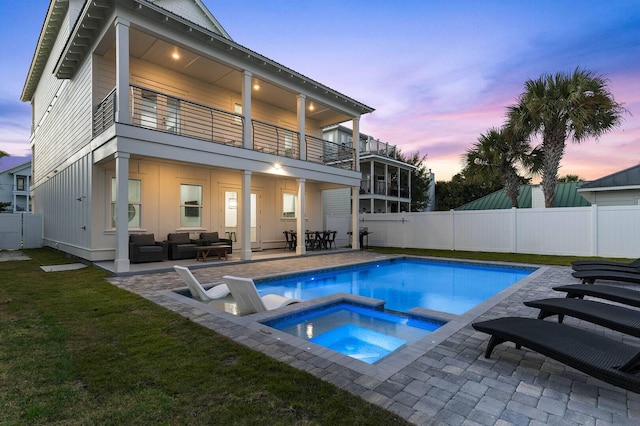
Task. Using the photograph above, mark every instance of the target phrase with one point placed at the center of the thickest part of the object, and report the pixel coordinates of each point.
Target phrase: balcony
(376, 147)
(161, 112)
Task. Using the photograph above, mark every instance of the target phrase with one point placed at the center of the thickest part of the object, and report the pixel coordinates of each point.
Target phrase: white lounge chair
(248, 300)
(197, 290)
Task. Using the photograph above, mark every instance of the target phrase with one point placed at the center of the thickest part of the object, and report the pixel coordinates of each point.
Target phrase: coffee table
(203, 252)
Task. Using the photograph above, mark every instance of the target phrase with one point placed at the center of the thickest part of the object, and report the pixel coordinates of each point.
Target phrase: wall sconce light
(233, 203)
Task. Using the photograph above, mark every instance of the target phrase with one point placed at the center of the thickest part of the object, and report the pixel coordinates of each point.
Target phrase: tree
(461, 190)
(569, 178)
(3, 154)
(501, 152)
(420, 180)
(560, 107)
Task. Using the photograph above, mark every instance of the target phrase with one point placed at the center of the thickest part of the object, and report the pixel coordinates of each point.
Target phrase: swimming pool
(404, 283)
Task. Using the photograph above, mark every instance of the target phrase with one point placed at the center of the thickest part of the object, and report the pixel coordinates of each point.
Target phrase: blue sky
(438, 73)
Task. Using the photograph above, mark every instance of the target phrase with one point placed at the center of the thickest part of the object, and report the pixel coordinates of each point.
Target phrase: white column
(245, 215)
(122, 71)
(301, 225)
(121, 263)
(246, 110)
(355, 191)
(356, 142)
(301, 124)
(372, 166)
(355, 218)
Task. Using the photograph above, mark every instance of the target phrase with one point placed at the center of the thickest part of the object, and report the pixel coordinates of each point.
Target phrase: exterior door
(231, 217)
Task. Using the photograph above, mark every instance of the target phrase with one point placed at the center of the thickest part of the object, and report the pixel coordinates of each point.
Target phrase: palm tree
(560, 107)
(501, 152)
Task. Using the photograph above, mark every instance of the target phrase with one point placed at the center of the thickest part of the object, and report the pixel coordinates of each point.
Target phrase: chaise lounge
(582, 265)
(614, 317)
(198, 291)
(590, 276)
(606, 359)
(622, 295)
(248, 300)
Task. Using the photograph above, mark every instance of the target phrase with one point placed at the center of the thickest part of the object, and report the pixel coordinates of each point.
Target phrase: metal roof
(566, 196)
(626, 177)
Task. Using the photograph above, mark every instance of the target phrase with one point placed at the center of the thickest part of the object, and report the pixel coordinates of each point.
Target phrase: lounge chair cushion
(211, 237)
(179, 238)
(142, 239)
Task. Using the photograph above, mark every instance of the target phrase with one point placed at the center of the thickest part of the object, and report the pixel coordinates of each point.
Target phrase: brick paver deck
(447, 381)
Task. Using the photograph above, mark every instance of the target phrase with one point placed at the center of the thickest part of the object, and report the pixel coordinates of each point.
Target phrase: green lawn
(75, 349)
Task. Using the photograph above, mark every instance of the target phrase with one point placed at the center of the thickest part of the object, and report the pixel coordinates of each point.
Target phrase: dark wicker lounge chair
(594, 264)
(606, 359)
(614, 317)
(590, 276)
(625, 296)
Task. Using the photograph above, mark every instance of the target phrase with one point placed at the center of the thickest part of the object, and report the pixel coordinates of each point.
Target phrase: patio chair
(198, 291)
(248, 300)
(331, 239)
(614, 317)
(601, 357)
(625, 296)
(590, 276)
(580, 265)
(290, 240)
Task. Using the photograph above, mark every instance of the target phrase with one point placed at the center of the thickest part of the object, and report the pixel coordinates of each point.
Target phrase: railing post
(246, 110)
(302, 140)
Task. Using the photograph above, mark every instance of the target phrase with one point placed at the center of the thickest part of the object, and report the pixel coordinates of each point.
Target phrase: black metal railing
(162, 112)
(275, 140)
(105, 114)
(330, 153)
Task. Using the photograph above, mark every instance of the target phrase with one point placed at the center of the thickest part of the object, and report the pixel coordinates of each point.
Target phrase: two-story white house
(149, 118)
(14, 188)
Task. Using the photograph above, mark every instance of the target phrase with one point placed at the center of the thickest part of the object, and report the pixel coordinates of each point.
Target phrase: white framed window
(148, 109)
(190, 206)
(289, 202)
(134, 206)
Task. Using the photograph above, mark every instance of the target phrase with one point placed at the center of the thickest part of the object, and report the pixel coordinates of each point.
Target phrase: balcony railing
(105, 114)
(382, 187)
(169, 114)
(375, 146)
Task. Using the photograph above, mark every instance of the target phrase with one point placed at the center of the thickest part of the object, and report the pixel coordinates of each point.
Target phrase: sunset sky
(438, 73)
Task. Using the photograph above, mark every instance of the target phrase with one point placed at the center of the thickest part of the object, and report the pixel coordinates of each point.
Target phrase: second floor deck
(161, 112)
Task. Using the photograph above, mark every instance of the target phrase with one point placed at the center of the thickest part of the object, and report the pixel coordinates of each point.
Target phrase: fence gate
(20, 230)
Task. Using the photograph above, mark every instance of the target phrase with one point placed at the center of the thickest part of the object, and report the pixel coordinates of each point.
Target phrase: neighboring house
(618, 189)
(149, 118)
(386, 180)
(14, 188)
(531, 196)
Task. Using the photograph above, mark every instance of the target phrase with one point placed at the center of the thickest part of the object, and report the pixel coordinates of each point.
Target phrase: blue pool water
(405, 283)
(361, 333)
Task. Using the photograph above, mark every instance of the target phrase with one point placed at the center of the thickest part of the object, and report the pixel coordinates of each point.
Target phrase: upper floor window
(134, 208)
(148, 109)
(173, 116)
(20, 183)
(190, 206)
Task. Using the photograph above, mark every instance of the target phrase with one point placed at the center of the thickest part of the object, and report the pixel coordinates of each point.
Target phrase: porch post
(355, 191)
(301, 124)
(372, 184)
(246, 110)
(121, 263)
(245, 215)
(122, 71)
(301, 226)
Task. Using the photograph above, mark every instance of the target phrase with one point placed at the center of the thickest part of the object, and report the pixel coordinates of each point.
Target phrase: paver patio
(448, 382)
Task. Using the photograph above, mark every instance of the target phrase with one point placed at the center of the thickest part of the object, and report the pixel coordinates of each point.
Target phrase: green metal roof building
(566, 196)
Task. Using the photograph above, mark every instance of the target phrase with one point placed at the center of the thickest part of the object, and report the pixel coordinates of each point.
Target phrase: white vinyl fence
(20, 230)
(611, 231)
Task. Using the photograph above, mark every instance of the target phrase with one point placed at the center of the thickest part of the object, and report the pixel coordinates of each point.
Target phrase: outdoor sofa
(144, 248)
